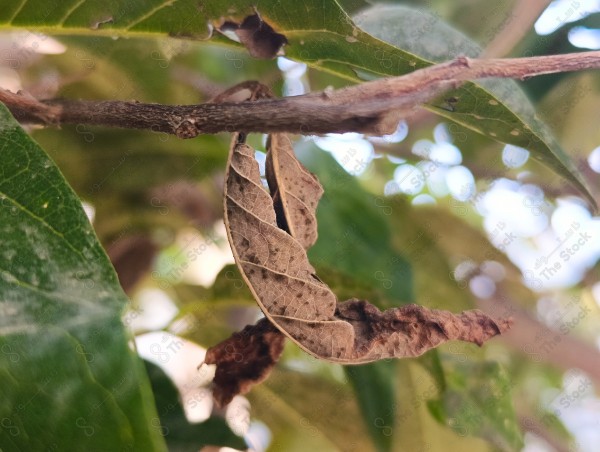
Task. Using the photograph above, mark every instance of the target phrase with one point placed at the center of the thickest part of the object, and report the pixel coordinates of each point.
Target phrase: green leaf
(321, 34)
(477, 402)
(496, 108)
(374, 388)
(69, 378)
(305, 412)
(179, 433)
(416, 428)
(420, 243)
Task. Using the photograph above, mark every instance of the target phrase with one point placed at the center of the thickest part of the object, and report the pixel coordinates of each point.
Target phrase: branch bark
(371, 107)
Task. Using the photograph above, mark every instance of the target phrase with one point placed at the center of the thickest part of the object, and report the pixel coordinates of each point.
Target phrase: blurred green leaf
(459, 240)
(416, 428)
(477, 402)
(497, 108)
(179, 433)
(564, 106)
(305, 412)
(420, 243)
(68, 374)
(373, 385)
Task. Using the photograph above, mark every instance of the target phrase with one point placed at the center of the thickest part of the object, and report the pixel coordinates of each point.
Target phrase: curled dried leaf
(294, 189)
(244, 359)
(276, 268)
(247, 357)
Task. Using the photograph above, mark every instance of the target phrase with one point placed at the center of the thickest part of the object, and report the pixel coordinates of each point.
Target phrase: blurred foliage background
(435, 213)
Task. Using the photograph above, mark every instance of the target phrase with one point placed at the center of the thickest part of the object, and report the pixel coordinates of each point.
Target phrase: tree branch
(371, 107)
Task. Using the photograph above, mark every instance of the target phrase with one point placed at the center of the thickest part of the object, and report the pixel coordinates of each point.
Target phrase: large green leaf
(180, 434)
(323, 35)
(497, 108)
(69, 378)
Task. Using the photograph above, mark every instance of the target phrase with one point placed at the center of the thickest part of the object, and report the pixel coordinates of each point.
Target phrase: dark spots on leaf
(398, 325)
(252, 258)
(438, 328)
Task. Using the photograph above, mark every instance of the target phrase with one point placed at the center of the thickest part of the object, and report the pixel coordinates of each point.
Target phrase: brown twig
(360, 108)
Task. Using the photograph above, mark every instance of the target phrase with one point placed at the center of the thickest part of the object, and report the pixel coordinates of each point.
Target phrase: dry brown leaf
(247, 358)
(261, 40)
(276, 268)
(294, 189)
(244, 359)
